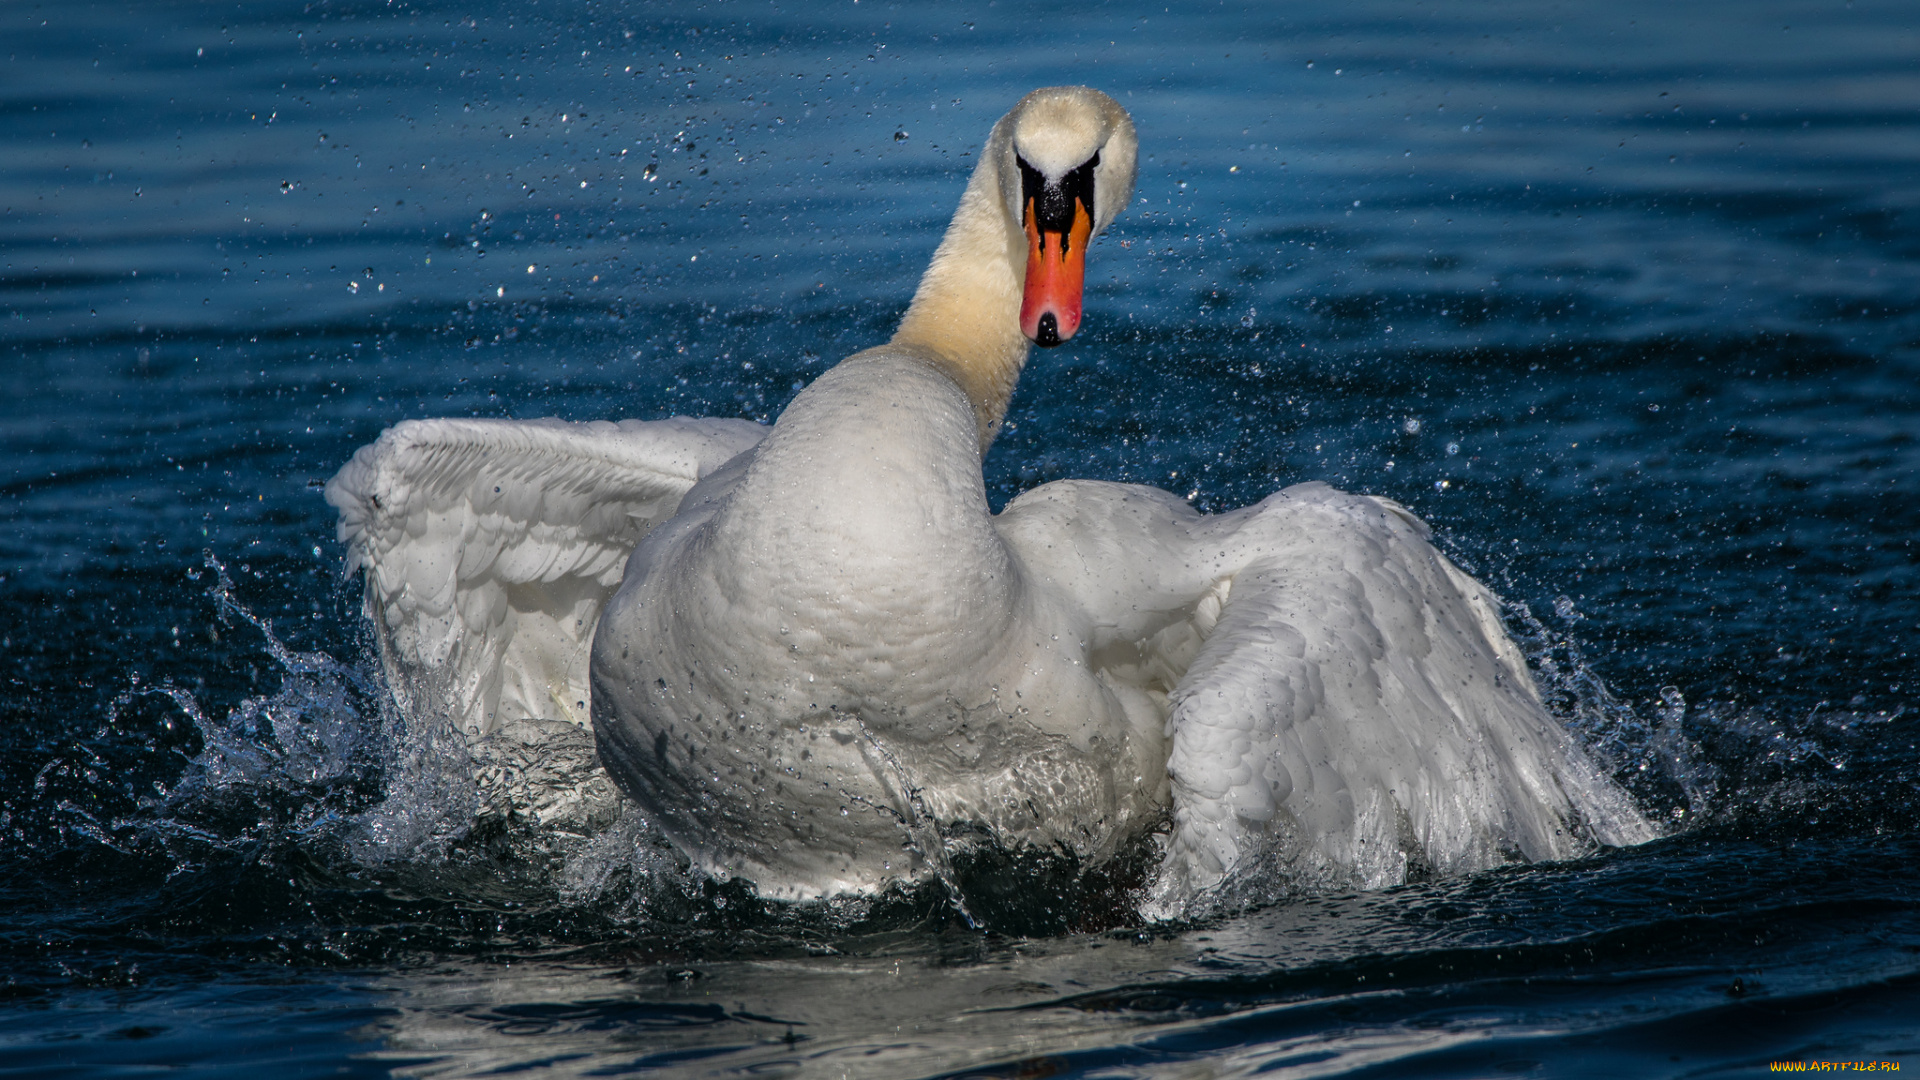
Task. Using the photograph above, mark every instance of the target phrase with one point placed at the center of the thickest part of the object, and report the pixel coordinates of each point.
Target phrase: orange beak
(1056, 273)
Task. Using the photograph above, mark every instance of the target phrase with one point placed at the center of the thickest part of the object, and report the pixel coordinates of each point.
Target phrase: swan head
(1067, 159)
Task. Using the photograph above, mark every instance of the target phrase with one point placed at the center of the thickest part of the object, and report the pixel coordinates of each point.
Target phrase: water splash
(324, 768)
(311, 734)
(1663, 770)
(297, 765)
(328, 766)
(923, 830)
(1704, 763)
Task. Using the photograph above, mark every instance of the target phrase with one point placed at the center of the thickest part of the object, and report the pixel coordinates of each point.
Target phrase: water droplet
(1673, 707)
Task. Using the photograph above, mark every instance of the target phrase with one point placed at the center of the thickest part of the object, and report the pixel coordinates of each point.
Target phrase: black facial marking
(1048, 334)
(1053, 203)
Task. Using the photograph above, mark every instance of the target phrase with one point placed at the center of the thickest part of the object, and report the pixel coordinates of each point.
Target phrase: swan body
(825, 657)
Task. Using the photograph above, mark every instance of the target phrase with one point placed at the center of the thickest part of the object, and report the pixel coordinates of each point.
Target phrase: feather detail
(490, 547)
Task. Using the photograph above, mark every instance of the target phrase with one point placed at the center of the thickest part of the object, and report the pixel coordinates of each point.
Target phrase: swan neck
(965, 317)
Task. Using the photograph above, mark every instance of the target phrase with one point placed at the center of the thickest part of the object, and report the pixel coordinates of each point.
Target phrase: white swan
(824, 652)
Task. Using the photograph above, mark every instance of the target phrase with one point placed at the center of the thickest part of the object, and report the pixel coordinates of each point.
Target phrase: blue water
(1624, 298)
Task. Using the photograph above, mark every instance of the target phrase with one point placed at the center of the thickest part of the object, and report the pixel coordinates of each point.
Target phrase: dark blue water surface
(1623, 297)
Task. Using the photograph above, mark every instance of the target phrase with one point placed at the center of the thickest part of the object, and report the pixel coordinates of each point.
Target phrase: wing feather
(490, 546)
(1337, 696)
(1359, 712)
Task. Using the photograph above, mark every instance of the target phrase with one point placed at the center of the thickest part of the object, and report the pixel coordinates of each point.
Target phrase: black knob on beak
(1049, 332)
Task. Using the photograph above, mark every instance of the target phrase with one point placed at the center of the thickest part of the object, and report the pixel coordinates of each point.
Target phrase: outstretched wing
(1338, 697)
(1359, 712)
(490, 547)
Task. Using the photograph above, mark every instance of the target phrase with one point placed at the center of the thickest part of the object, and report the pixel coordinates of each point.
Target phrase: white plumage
(489, 547)
(810, 664)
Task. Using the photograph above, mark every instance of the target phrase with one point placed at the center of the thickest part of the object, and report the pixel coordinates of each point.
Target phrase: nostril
(1047, 334)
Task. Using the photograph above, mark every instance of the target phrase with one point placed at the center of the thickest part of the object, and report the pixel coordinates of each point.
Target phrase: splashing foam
(1659, 765)
(330, 762)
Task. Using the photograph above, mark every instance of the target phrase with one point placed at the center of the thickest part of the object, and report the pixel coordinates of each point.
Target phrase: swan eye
(1051, 204)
